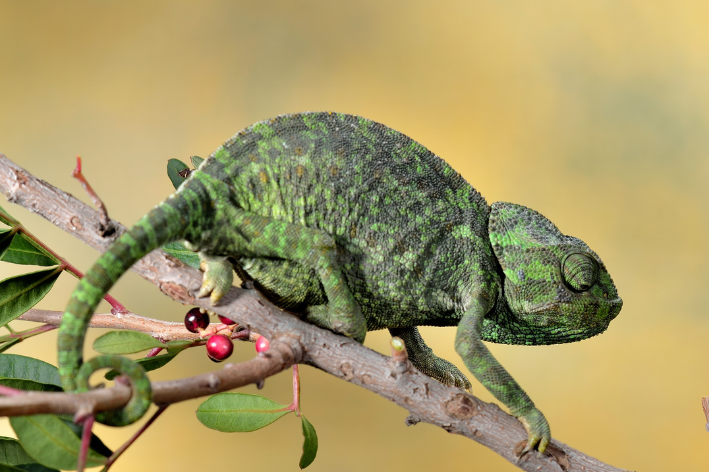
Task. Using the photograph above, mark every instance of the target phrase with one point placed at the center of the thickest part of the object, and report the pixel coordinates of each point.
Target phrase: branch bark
(293, 341)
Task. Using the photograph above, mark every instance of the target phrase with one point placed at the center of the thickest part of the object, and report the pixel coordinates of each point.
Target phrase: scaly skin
(357, 227)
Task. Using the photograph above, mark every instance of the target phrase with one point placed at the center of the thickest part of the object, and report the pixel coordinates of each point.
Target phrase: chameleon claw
(204, 291)
(215, 297)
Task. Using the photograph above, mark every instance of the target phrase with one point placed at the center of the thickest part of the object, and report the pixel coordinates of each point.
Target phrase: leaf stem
(85, 442)
(27, 333)
(137, 434)
(116, 306)
(10, 392)
(296, 390)
(7, 219)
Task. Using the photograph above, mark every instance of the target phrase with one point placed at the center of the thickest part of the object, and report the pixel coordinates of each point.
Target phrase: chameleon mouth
(553, 313)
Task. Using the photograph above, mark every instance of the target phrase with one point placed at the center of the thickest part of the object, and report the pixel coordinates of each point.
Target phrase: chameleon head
(552, 281)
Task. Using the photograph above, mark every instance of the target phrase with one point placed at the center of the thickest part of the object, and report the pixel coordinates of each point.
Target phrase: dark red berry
(219, 347)
(262, 344)
(226, 320)
(196, 320)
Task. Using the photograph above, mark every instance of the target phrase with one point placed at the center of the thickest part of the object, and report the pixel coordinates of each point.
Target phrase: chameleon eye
(579, 271)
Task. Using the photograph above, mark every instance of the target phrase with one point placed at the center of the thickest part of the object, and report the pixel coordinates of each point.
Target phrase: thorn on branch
(412, 420)
(399, 361)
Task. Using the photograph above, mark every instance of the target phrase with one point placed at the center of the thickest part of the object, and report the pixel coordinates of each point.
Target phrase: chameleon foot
(350, 323)
(423, 358)
(217, 279)
(445, 372)
(538, 433)
(439, 369)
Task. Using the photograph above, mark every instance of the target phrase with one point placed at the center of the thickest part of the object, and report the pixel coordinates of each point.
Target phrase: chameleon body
(358, 227)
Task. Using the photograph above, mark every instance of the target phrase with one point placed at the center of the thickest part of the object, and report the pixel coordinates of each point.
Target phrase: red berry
(219, 347)
(262, 344)
(226, 320)
(195, 320)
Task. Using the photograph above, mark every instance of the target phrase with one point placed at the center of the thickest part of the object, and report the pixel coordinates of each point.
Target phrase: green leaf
(310, 444)
(7, 468)
(20, 293)
(14, 366)
(179, 251)
(35, 468)
(232, 412)
(51, 442)
(148, 363)
(178, 345)
(125, 342)
(24, 250)
(174, 167)
(6, 218)
(20, 384)
(96, 444)
(11, 452)
(196, 161)
(6, 236)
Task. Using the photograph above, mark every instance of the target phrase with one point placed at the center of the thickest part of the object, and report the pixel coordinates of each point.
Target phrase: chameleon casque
(358, 227)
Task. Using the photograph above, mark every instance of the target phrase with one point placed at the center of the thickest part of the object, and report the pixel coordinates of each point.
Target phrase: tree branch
(296, 342)
(159, 329)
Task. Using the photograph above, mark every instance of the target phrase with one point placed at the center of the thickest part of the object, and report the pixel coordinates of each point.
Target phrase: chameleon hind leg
(287, 284)
(245, 234)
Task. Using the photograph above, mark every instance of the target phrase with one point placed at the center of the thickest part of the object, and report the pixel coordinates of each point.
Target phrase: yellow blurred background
(595, 113)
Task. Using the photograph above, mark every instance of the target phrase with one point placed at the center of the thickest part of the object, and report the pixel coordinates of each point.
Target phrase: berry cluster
(219, 346)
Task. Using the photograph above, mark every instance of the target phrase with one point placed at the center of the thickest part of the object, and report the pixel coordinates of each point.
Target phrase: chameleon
(356, 227)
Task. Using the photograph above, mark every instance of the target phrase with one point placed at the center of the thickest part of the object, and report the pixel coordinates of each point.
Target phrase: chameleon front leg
(253, 236)
(423, 358)
(497, 380)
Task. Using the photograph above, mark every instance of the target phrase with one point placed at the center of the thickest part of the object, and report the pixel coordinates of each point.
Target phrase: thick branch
(427, 400)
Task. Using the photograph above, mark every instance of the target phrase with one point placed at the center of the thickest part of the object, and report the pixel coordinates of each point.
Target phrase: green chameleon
(357, 227)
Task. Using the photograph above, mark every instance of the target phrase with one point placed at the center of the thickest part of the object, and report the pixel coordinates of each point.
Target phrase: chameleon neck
(168, 221)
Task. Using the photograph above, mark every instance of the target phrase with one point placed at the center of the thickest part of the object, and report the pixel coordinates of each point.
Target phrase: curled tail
(168, 221)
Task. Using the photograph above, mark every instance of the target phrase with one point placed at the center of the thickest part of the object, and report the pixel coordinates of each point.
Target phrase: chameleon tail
(168, 221)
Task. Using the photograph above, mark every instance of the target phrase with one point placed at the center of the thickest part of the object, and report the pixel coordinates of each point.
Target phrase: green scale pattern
(356, 227)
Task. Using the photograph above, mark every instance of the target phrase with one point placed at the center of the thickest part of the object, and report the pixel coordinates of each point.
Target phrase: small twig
(296, 390)
(154, 352)
(10, 392)
(163, 330)
(117, 453)
(103, 212)
(85, 443)
(27, 333)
